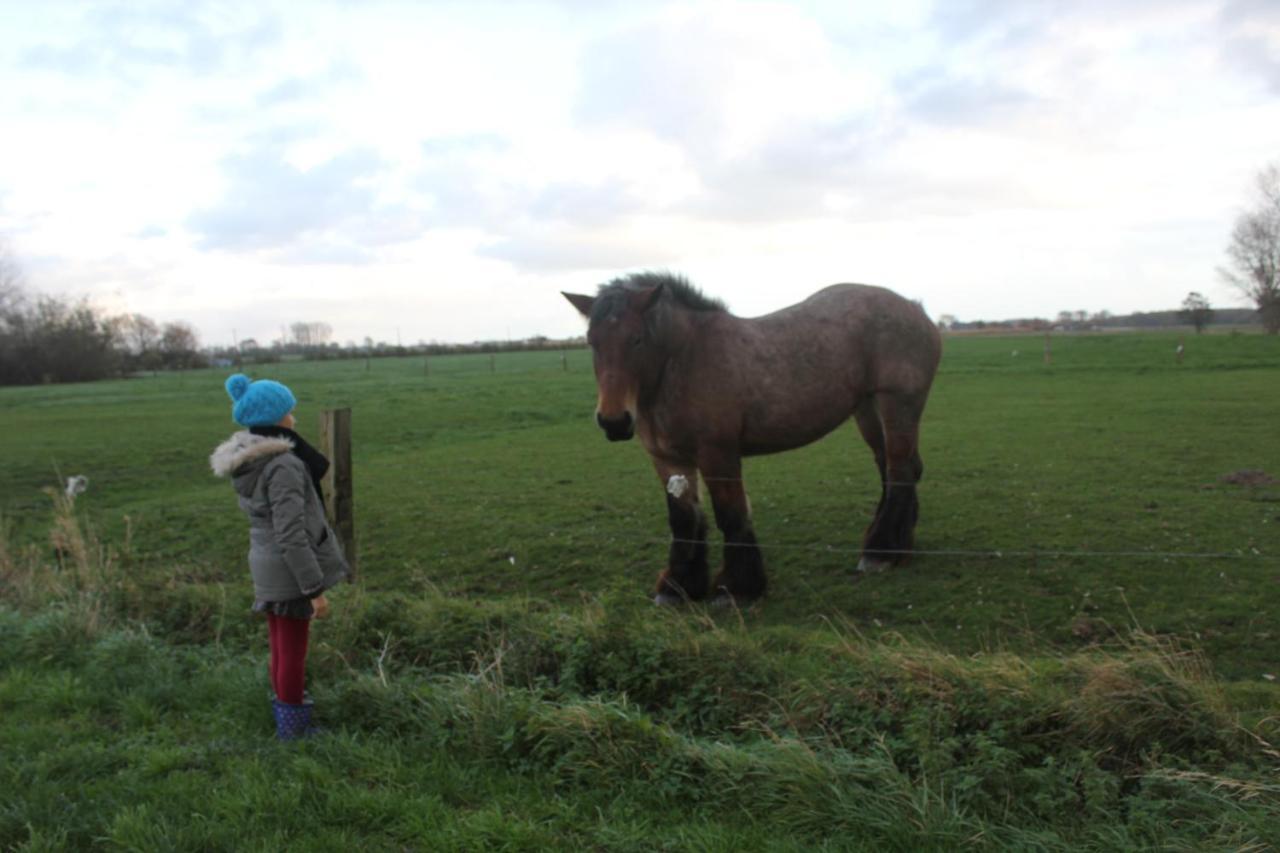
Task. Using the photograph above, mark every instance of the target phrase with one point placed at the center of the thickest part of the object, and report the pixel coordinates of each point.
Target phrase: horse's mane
(676, 288)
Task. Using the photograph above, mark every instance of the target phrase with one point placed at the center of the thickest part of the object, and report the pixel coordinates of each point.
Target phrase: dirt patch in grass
(1248, 477)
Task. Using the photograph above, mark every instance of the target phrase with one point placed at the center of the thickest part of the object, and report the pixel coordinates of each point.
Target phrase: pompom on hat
(260, 403)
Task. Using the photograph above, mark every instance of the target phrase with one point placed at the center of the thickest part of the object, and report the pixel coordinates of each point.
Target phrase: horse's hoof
(872, 565)
(668, 599)
(722, 601)
(725, 600)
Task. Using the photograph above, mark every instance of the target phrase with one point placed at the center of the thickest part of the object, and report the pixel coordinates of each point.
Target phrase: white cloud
(411, 166)
(271, 204)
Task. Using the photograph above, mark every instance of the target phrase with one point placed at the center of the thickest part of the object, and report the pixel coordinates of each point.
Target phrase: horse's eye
(637, 340)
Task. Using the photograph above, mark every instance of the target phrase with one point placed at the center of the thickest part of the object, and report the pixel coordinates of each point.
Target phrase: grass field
(1077, 658)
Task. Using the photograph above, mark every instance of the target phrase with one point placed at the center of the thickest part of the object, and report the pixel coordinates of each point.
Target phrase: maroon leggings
(288, 656)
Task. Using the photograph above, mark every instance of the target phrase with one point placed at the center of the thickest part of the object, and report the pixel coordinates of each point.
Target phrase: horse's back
(789, 378)
(882, 340)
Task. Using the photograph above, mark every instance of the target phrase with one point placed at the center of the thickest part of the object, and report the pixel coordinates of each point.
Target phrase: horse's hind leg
(685, 577)
(868, 420)
(890, 537)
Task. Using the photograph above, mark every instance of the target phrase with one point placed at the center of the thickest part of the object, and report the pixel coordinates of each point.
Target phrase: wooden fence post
(335, 443)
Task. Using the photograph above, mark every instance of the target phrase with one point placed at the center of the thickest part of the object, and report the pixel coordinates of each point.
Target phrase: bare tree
(138, 332)
(137, 338)
(179, 343)
(11, 292)
(1253, 252)
(1196, 311)
(51, 339)
(311, 334)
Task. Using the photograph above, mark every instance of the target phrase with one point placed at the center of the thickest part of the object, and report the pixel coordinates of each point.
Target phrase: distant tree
(311, 334)
(946, 321)
(11, 293)
(12, 319)
(1196, 311)
(179, 345)
(139, 337)
(1253, 252)
(54, 340)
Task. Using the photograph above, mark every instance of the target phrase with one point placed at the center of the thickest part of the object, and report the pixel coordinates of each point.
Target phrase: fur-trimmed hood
(244, 447)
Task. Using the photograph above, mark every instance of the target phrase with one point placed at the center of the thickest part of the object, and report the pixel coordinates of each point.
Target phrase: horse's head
(622, 350)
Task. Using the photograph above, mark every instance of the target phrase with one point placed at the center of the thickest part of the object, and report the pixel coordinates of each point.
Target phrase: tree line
(1195, 311)
(250, 350)
(55, 339)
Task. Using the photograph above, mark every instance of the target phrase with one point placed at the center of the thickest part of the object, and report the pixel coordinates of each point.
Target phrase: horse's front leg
(742, 575)
(685, 577)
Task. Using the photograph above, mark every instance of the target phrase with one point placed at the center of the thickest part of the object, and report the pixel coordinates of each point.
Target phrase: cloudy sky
(441, 170)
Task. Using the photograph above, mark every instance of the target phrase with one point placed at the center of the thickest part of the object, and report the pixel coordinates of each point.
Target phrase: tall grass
(73, 570)
(106, 584)
(132, 711)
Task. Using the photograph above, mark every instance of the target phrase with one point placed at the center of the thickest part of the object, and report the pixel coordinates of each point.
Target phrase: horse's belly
(771, 431)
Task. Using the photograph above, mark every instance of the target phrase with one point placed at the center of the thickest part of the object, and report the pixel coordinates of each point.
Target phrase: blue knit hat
(260, 403)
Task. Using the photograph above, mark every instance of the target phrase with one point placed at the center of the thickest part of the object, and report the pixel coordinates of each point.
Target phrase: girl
(294, 555)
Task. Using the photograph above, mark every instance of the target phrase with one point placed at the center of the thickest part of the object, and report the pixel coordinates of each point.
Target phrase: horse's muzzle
(617, 429)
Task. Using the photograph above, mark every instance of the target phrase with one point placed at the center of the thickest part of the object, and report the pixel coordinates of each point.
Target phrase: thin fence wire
(1017, 551)
(988, 553)
(999, 553)
(992, 553)
(1248, 553)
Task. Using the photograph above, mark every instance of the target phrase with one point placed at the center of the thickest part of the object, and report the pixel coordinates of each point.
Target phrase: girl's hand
(321, 605)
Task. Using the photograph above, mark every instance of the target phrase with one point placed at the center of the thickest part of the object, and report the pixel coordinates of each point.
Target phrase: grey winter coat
(293, 552)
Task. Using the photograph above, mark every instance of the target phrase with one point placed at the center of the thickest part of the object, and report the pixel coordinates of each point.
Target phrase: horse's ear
(581, 302)
(643, 300)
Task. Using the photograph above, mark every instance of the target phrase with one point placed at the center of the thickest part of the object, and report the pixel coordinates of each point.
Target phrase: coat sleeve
(287, 494)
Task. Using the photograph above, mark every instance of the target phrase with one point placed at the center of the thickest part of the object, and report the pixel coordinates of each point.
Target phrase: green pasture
(1059, 501)
(1079, 657)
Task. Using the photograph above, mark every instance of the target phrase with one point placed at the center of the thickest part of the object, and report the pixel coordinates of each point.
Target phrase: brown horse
(704, 388)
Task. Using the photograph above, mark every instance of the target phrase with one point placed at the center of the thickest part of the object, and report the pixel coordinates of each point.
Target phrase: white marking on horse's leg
(677, 485)
(872, 565)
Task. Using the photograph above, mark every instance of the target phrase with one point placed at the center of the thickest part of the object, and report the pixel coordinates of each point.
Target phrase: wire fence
(1250, 553)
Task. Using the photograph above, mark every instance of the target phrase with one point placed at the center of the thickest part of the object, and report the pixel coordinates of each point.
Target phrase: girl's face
(287, 421)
